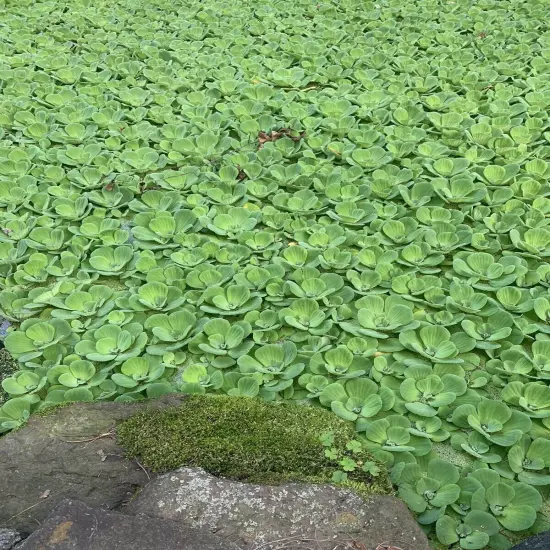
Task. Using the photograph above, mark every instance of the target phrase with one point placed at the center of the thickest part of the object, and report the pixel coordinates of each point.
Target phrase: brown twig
(110, 433)
(264, 137)
(386, 545)
(141, 466)
(25, 510)
(285, 542)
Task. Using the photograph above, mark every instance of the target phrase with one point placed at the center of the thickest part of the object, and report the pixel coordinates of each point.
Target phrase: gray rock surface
(540, 542)
(297, 516)
(75, 526)
(8, 538)
(70, 453)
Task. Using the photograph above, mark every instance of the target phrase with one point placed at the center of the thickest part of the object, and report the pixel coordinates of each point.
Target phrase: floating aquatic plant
(343, 204)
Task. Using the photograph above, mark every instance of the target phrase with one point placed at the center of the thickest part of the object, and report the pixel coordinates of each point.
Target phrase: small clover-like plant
(353, 458)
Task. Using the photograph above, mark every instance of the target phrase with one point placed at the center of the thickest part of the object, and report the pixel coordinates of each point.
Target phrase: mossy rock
(244, 439)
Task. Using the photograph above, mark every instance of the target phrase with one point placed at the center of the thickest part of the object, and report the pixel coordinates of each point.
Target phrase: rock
(320, 516)
(69, 453)
(539, 542)
(75, 526)
(8, 538)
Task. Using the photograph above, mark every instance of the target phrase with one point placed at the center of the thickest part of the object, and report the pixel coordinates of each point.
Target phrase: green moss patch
(242, 438)
(7, 367)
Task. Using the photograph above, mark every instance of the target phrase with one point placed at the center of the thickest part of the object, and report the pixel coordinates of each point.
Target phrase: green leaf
(518, 518)
(446, 530)
(475, 541)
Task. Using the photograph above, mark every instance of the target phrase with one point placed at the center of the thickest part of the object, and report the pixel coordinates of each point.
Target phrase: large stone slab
(540, 542)
(71, 453)
(75, 526)
(303, 516)
(8, 539)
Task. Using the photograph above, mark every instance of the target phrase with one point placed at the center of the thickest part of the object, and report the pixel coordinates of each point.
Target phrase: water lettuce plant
(343, 204)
